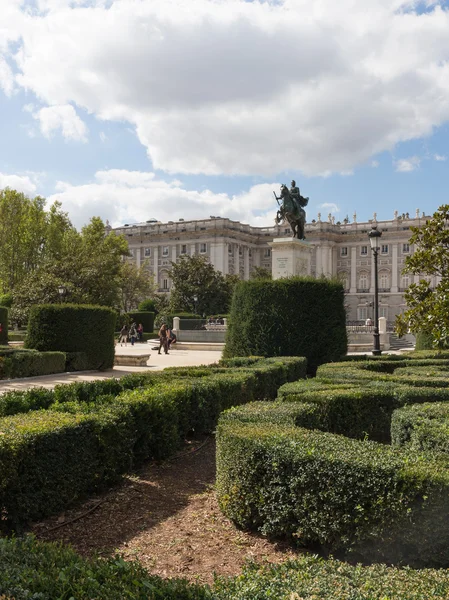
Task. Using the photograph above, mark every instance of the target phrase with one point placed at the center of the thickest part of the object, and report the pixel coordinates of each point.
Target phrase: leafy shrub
(340, 493)
(424, 427)
(6, 300)
(74, 328)
(288, 317)
(4, 325)
(424, 341)
(16, 363)
(92, 432)
(310, 578)
(144, 317)
(148, 306)
(45, 571)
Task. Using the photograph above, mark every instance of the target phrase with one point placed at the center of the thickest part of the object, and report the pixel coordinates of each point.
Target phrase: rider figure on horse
(292, 209)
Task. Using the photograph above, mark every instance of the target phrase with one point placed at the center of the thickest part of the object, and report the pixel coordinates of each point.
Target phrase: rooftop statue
(291, 209)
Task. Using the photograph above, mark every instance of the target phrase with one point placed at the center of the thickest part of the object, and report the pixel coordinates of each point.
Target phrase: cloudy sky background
(133, 109)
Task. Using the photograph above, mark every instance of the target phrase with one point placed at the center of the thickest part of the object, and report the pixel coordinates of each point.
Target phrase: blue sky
(133, 109)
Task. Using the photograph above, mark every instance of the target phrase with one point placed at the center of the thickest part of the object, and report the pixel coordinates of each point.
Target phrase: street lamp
(62, 292)
(374, 238)
(195, 299)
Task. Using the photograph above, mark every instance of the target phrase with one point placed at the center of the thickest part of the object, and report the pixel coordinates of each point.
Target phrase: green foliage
(260, 273)
(424, 341)
(427, 310)
(294, 317)
(91, 433)
(148, 306)
(44, 571)
(74, 328)
(29, 363)
(195, 276)
(312, 578)
(283, 471)
(146, 318)
(424, 427)
(4, 325)
(6, 300)
(135, 283)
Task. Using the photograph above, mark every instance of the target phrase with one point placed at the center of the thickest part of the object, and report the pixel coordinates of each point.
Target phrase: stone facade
(338, 250)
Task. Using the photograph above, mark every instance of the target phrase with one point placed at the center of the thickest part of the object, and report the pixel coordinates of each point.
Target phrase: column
(372, 274)
(173, 253)
(319, 260)
(155, 251)
(226, 260)
(394, 269)
(245, 263)
(192, 249)
(137, 257)
(353, 288)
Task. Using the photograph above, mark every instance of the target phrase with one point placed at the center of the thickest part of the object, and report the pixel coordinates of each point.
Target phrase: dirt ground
(168, 518)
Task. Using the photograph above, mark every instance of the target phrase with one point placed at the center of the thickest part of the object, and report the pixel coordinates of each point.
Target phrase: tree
(195, 276)
(428, 309)
(135, 284)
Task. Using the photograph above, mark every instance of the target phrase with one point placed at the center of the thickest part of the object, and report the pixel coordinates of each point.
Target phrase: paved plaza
(176, 358)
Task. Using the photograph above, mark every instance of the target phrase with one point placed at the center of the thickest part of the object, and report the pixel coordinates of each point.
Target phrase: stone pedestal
(290, 257)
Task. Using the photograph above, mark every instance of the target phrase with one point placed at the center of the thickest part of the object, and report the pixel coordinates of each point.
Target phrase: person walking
(133, 333)
(124, 335)
(163, 338)
(140, 332)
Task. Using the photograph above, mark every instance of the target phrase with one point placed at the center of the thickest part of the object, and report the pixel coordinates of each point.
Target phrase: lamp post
(195, 299)
(374, 238)
(62, 292)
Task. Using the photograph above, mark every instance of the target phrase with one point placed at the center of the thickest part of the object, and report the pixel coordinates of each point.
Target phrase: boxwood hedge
(74, 328)
(293, 317)
(17, 362)
(91, 433)
(279, 474)
(3, 325)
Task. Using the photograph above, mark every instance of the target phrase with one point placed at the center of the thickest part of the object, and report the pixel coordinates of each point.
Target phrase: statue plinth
(290, 257)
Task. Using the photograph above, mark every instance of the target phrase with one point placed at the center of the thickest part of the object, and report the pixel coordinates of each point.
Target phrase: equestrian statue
(291, 209)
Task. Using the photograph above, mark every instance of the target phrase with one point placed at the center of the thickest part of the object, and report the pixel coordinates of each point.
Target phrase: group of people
(166, 338)
(134, 333)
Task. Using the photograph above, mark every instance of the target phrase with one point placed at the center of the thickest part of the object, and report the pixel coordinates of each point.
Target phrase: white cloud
(330, 206)
(439, 157)
(230, 86)
(64, 118)
(132, 196)
(405, 165)
(374, 164)
(6, 77)
(21, 183)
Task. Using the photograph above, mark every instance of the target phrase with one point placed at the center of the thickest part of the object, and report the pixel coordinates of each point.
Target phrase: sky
(138, 109)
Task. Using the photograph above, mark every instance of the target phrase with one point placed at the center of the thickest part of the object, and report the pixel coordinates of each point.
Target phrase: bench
(132, 360)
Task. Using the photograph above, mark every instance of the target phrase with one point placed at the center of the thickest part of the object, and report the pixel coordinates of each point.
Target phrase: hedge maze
(354, 462)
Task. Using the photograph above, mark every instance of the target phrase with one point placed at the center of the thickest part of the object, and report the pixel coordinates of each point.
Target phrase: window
(384, 280)
(405, 281)
(131, 251)
(363, 281)
(165, 251)
(383, 311)
(203, 248)
(267, 252)
(362, 313)
(405, 248)
(364, 250)
(240, 251)
(344, 251)
(147, 252)
(230, 249)
(184, 249)
(287, 230)
(250, 252)
(165, 284)
(384, 249)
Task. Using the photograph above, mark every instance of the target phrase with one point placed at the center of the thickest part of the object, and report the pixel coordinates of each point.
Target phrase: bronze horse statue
(291, 209)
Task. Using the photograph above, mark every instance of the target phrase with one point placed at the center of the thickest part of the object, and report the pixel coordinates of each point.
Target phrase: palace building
(340, 249)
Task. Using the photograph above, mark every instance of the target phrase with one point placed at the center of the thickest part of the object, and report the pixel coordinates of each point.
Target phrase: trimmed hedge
(4, 325)
(91, 433)
(144, 317)
(34, 569)
(424, 427)
(74, 328)
(30, 363)
(292, 317)
(312, 578)
(46, 571)
(345, 495)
